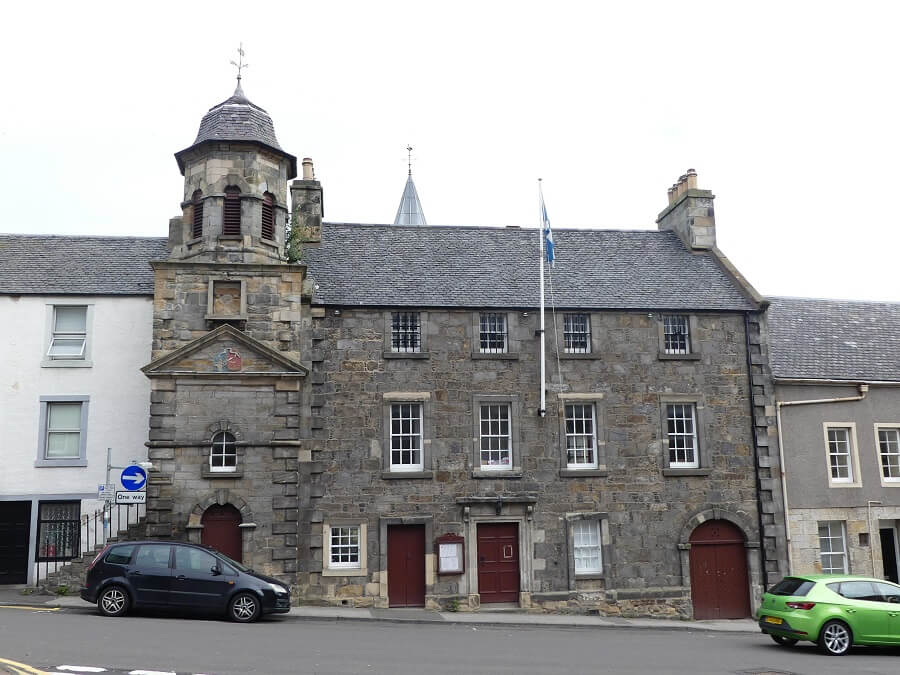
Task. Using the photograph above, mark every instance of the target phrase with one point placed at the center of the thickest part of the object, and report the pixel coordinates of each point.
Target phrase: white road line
(82, 669)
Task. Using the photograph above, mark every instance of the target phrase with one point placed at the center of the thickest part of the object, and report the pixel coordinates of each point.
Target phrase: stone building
(226, 377)
(836, 365)
(436, 480)
(367, 425)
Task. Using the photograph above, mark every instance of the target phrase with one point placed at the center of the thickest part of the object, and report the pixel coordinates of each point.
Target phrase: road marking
(32, 608)
(22, 668)
(82, 669)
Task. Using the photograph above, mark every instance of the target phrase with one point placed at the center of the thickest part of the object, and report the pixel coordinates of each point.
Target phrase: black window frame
(72, 533)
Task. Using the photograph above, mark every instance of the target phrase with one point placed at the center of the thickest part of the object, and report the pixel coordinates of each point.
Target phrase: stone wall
(646, 511)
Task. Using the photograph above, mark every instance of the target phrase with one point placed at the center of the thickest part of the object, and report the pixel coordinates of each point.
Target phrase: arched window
(222, 454)
(231, 216)
(197, 223)
(268, 216)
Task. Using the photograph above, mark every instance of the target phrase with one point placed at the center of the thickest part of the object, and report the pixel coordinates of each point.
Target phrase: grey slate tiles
(438, 266)
(834, 339)
(51, 264)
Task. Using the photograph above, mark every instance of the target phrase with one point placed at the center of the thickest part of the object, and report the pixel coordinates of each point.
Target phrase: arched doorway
(221, 531)
(720, 586)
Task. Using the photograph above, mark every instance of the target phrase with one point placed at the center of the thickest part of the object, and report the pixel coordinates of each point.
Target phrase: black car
(178, 575)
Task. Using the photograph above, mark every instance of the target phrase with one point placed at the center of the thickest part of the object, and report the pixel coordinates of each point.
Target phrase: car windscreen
(792, 586)
(233, 563)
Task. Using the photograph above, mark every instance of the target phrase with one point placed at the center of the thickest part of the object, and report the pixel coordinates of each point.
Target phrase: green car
(833, 610)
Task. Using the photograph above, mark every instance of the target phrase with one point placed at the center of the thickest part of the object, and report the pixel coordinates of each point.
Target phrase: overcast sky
(787, 110)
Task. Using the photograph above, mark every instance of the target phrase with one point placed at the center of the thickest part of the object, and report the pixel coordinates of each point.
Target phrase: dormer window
(197, 219)
(268, 216)
(231, 213)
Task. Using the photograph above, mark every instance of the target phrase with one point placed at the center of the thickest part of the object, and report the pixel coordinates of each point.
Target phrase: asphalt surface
(46, 638)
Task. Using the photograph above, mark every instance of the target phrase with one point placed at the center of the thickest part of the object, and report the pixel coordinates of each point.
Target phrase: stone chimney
(690, 213)
(307, 209)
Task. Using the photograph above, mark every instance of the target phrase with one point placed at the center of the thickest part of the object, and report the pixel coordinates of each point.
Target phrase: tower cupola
(235, 202)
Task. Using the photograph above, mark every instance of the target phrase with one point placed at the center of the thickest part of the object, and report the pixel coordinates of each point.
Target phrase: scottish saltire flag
(548, 233)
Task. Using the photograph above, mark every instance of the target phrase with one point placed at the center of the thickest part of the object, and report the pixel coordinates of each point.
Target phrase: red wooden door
(406, 565)
(221, 531)
(719, 581)
(498, 562)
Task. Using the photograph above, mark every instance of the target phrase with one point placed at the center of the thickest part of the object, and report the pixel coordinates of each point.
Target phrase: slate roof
(237, 119)
(834, 339)
(63, 265)
(443, 266)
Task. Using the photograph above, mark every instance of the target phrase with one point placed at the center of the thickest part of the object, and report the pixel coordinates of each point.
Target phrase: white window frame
(224, 446)
(694, 463)
(46, 402)
(419, 407)
(592, 548)
(492, 320)
(853, 478)
(83, 358)
(353, 569)
(500, 405)
(831, 537)
(571, 434)
(886, 446)
(569, 319)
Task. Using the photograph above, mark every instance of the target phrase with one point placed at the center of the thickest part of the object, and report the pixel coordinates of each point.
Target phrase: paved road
(46, 640)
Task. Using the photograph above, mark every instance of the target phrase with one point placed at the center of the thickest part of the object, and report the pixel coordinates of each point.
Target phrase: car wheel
(835, 638)
(783, 640)
(113, 601)
(244, 608)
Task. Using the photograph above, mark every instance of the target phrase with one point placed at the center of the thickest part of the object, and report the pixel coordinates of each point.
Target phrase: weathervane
(240, 65)
(409, 150)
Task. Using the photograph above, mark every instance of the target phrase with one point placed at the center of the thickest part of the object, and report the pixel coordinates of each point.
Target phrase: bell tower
(235, 202)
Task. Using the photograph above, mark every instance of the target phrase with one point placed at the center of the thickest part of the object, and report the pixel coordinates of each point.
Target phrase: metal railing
(93, 531)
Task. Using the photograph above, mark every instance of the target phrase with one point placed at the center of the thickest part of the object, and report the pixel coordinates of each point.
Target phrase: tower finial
(240, 65)
(409, 150)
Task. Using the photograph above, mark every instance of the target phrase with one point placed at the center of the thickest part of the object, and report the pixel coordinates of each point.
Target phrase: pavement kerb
(483, 618)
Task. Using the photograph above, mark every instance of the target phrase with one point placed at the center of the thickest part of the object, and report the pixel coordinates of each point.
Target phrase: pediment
(225, 351)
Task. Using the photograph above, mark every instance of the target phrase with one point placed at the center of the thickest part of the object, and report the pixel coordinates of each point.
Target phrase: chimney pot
(308, 172)
(671, 195)
(691, 179)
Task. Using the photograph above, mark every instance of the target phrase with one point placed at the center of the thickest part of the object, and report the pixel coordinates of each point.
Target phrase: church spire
(410, 211)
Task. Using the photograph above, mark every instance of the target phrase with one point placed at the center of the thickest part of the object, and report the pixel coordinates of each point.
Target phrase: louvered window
(231, 217)
(268, 216)
(197, 224)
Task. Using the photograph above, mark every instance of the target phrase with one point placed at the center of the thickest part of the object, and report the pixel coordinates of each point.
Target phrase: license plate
(773, 619)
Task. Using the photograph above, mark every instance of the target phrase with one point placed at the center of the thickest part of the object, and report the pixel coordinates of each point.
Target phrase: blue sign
(133, 477)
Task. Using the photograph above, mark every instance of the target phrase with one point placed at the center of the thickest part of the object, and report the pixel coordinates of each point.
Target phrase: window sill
(222, 317)
(679, 357)
(194, 240)
(394, 475)
(589, 355)
(47, 463)
(515, 472)
(589, 576)
(345, 572)
(205, 472)
(67, 363)
(505, 356)
(583, 473)
(230, 237)
(406, 355)
(686, 472)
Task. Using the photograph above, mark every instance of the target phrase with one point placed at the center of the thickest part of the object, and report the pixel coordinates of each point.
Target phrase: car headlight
(277, 588)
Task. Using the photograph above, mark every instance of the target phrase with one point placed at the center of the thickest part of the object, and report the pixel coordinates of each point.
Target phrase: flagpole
(542, 410)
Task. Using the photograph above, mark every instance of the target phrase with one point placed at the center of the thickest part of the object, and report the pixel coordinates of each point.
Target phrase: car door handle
(851, 611)
(136, 573)
(892, 613)
(180, 577)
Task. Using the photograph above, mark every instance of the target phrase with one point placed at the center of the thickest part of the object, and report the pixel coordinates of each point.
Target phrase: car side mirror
(894, 598)
(215, 571)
